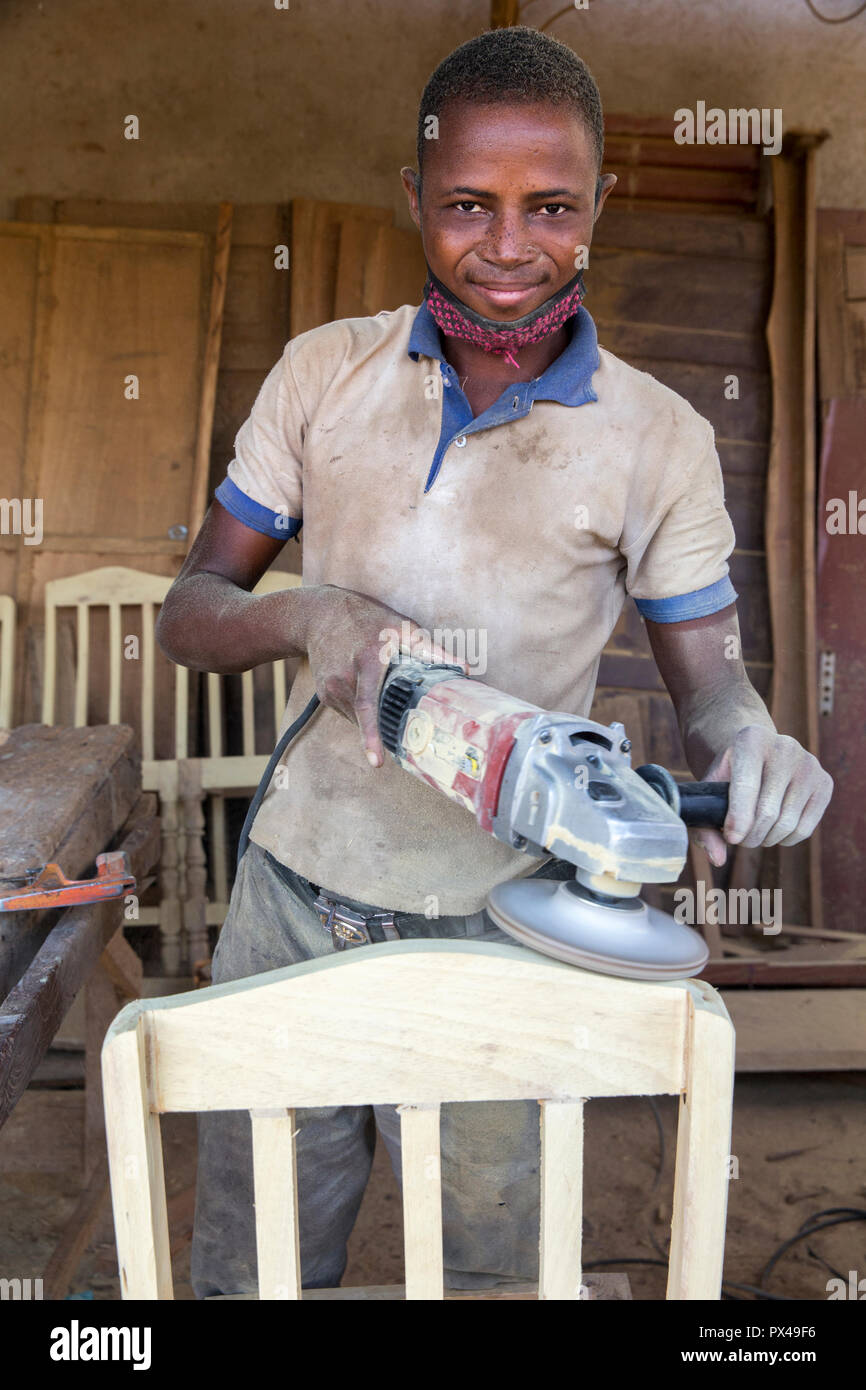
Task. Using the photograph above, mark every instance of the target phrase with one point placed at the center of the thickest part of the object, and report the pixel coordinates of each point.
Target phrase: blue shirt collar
(568, 379)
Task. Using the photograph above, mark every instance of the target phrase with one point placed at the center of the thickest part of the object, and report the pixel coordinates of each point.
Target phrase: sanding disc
(629, 939)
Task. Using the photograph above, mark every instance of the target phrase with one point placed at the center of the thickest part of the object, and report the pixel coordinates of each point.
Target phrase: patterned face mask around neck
(457, 320)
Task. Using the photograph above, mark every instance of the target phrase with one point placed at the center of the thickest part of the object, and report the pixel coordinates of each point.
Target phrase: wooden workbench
(66, 795)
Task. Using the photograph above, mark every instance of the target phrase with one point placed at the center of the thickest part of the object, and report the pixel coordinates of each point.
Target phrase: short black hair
(518, 65)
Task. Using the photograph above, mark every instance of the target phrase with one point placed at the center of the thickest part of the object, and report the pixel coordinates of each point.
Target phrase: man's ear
(412, 185)
(603, 186)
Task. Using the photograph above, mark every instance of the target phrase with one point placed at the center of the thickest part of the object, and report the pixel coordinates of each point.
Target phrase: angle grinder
(549, 784)
(558, 784)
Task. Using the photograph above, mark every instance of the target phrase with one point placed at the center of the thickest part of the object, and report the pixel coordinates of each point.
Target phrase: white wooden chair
(239, 773)
(180, 782)
(116, 587)
(7, 659)
(430, 1021)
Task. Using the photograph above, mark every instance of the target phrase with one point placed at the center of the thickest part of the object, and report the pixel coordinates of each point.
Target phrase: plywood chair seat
(424, 1022)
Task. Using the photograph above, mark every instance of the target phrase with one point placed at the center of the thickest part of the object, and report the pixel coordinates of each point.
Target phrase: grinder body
(544, 783)
(562, 785)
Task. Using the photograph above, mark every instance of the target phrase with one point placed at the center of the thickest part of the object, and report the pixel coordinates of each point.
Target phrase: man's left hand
(778, 792)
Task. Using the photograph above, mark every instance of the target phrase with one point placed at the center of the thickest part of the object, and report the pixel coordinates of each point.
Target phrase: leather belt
(351, 928)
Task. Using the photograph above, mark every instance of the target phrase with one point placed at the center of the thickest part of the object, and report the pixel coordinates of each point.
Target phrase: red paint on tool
(467, 785)
(476, 726)
(504, 731)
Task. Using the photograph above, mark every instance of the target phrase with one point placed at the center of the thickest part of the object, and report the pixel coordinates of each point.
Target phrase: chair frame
(429, 1021)
(238, 774)
(180, 782)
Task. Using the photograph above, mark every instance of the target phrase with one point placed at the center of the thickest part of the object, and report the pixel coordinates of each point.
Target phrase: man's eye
(557, 208)
(467, 205)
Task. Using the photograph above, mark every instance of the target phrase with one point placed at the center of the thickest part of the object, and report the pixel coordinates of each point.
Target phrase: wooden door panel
(123, 307)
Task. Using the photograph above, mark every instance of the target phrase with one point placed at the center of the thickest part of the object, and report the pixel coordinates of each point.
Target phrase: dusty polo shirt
(523, 529)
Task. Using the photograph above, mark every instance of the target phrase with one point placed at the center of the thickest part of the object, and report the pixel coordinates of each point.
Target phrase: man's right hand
(350, 639)
(211, 621)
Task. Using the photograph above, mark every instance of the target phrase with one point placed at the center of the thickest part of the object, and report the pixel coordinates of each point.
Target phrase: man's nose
(508, 241)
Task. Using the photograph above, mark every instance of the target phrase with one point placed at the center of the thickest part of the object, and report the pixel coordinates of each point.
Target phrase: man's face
(508, 197)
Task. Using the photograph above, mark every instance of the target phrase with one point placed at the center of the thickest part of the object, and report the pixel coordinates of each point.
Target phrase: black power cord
(840, 1215)
(834, 19)
(269, 771)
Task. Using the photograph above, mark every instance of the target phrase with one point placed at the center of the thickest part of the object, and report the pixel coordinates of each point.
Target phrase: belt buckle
(347, 928)
(350, 928)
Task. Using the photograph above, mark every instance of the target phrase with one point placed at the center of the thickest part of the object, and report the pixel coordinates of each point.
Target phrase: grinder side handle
(700, 805)
(703, 805)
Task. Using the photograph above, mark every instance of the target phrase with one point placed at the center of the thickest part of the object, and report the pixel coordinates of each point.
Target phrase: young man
(479, 464)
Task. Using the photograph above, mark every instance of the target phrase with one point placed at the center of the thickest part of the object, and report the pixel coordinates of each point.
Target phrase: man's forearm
(701, 664)
(709, 723)
(778, 790)
(210, 624)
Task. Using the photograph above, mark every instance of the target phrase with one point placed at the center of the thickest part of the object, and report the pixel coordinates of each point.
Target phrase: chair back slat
(279, 695)
(422, 1201)
(272, 582)
(7, 659)
(561, 1231)
(49, 664)
(248, 714)
(275, 1182)
(214, 716)
(181, 712)
(147, 680)
(115, 662)
(82, 663)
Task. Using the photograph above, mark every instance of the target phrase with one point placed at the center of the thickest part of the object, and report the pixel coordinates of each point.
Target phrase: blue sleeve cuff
(254, 514)
(681, 607)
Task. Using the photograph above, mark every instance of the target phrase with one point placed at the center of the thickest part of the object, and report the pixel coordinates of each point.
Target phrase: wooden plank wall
(378, 267)
(256, 329)
(655, 173)
(685, 297)
(841, 622)
(316, 234)
(791, 490)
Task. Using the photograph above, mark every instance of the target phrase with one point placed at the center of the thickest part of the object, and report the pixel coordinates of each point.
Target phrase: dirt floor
(799, 1145)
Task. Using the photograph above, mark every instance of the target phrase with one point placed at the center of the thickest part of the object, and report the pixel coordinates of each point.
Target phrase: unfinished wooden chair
(116, 587)
(221, 775)
(7, 659)
(429, 1021)
(181, 782)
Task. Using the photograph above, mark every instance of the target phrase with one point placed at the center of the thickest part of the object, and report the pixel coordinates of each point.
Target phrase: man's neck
(472, 362)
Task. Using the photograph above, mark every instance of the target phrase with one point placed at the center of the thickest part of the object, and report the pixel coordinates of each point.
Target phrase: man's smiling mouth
(505, 292)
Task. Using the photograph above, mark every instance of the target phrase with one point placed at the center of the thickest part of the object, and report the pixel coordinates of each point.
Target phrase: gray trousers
(490, 1150)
